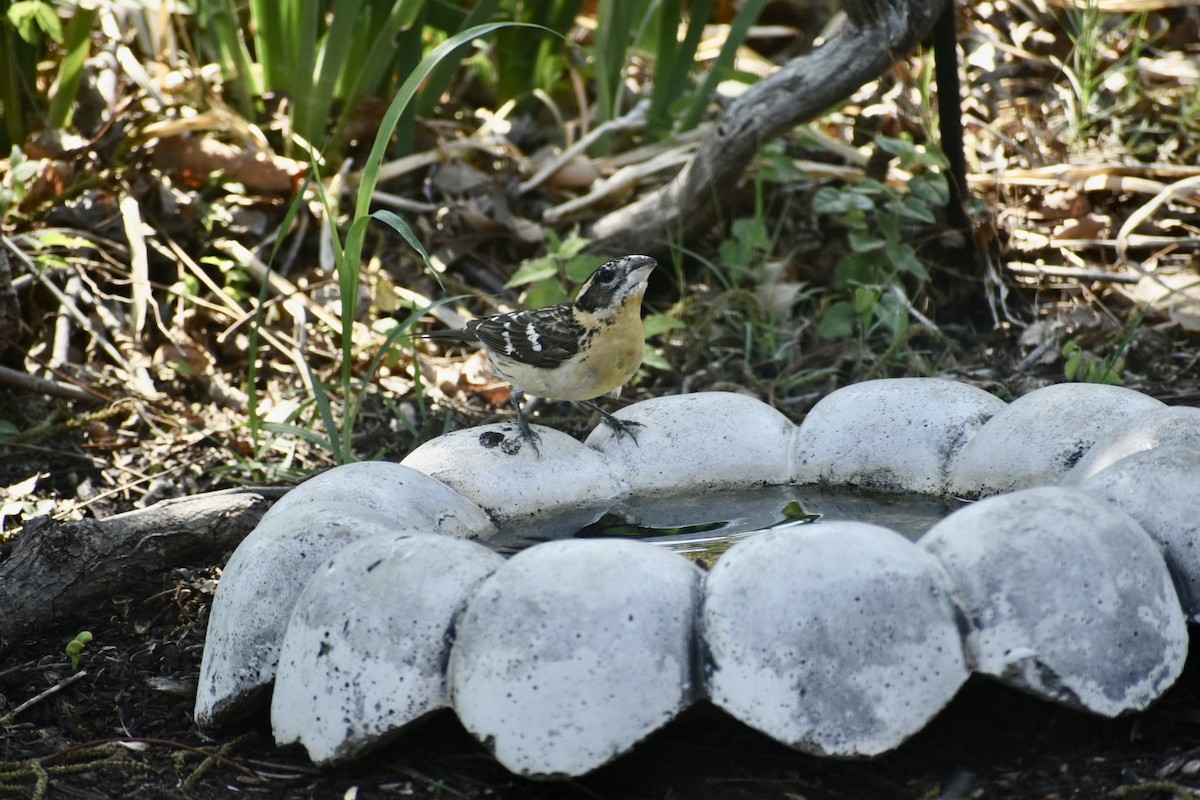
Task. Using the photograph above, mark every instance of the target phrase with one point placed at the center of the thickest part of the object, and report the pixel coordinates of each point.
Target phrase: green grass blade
(617, 21)
(408, 90)
(396, 223)
(737, 34)
(674, 60)
(399, 31)
(218, 19)
(443, 73)
(341, 452)
(70, 73)
(298, 432)
(274, 32)
(18, 76)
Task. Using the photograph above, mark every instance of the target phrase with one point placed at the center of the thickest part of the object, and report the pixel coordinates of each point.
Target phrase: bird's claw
(623, 427)
(529, 435)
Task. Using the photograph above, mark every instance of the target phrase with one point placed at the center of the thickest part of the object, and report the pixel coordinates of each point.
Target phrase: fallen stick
(66, 570)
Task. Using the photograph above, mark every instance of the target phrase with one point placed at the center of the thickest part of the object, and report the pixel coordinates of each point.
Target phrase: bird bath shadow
(703, 526)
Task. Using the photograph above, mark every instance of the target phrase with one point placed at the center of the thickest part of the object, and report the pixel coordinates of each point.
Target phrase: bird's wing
(542, 337)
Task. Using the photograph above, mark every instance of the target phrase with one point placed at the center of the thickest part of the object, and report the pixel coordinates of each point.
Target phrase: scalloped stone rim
(829, 644)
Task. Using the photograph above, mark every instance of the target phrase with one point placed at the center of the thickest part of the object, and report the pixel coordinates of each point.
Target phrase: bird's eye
(606, 273)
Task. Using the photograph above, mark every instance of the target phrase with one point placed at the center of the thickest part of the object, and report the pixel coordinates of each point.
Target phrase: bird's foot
(620, 427)
(529, 435)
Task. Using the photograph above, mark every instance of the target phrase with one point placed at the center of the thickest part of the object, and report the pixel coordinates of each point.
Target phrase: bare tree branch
(876, 33)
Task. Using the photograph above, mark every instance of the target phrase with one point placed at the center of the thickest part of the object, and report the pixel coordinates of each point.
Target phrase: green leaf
(571, 247)
(904, 258)
(837, 322)
(893, 314)
(53, 238)
(752, 231)
(905, 150)
(545, 293)
(864, 242)
(655, 324)
(580, 268)
(866, 298)
(31, 16)
(859, 268)
(655, 360)
(829, 200)
(1071, 369)
(869, 187)
(533, 270)
(933, 188)
(913, 208)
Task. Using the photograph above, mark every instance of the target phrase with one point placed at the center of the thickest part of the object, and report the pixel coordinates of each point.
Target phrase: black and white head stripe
(612, 282)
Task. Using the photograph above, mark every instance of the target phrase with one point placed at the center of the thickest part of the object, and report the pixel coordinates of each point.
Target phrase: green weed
(879, 221)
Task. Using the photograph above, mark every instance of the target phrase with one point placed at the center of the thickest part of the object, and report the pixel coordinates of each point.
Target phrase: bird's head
(615, 284)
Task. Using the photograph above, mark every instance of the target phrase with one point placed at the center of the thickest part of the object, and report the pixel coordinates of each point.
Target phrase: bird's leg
(523, 424)
(619, 427)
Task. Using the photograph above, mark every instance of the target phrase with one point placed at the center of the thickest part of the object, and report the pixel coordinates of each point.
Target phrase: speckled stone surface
(561, 474)
(699, 442)
(366, 646)
(894, 434)
(574, 651)
(1160, 488)
(1067, 598)
(836, 638)
(258, 589)
(1038, 438)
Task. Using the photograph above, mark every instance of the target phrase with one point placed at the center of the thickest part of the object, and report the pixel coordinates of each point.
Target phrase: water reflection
(708, 524)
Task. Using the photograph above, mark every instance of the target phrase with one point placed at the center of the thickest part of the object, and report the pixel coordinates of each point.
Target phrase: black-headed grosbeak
(573, 351)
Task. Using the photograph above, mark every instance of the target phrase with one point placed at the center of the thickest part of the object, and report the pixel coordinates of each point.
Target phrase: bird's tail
(449, 335)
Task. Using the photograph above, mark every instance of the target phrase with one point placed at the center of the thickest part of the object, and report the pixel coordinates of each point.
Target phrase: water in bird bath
(705, 525)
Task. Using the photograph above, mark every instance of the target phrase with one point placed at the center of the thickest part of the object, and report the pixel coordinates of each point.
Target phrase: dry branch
(62, 570)
(876, 34)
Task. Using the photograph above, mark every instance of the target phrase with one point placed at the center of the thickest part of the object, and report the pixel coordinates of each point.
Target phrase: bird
(574, 351)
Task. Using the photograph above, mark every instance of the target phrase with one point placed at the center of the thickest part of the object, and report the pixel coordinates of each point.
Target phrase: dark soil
(124, 729)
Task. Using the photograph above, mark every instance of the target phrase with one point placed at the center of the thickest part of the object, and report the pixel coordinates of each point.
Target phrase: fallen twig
(1072, 273)
(47, 386)
(635, 119)
(39, 697)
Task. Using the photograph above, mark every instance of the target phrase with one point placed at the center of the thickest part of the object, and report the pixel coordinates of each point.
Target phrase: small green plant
(74, 648)
(880, 220)
(552, 278)
(1094, 36)
(1085, 368)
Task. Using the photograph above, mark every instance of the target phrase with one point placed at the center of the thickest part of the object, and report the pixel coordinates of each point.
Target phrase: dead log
(875, 34)
(60, 571)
